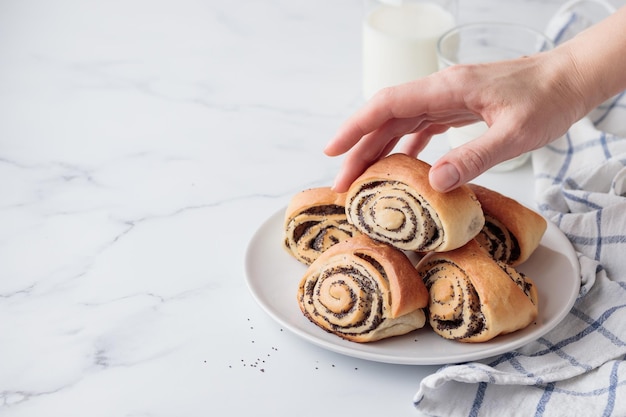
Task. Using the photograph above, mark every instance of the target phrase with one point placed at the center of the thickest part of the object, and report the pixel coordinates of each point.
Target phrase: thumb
(463, 164)
(444, 177)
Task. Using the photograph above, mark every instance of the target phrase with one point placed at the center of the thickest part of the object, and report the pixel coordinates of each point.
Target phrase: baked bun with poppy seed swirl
(315, 220)
(512, 231)
(362, 291)
(393, 202)
(474, 298)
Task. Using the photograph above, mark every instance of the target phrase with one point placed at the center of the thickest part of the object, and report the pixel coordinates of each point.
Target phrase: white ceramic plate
(273, 277)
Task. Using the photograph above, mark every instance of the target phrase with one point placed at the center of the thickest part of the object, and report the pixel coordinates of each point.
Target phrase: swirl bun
(512, 231)
(393, 202)
(473, 298)
(363, 291)
(315, 220)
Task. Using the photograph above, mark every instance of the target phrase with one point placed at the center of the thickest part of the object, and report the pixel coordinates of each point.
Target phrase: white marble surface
(142, 143)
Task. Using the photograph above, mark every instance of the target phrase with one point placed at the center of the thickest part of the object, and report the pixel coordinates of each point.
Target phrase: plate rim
(360, 350)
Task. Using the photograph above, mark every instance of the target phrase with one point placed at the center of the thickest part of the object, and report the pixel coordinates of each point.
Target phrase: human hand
(526, 103)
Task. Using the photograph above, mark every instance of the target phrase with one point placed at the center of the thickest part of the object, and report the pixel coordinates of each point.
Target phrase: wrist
(592, 62)
(575, 80)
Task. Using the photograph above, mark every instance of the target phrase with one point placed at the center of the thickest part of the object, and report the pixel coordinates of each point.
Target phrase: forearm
(597, 60)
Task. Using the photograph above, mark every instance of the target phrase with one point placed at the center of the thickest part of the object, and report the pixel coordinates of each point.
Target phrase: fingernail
(444, 177)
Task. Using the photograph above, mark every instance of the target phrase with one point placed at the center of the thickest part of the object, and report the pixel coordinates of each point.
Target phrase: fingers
(411, 101)
(369, 118)
(381, 142)
(422, 108)
(368, 151)
(355, 164)
(416, 142)
(345, 138)
(370, 148)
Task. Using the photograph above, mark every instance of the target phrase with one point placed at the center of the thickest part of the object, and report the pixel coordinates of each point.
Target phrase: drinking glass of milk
(399, 40)
(484, 42)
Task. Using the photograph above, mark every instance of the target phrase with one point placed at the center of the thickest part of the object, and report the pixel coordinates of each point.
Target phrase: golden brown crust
(408, 292)
(390, 304)
(457, 214)
(313, 197)
(315, 220)
(526, 225)
(505, 301)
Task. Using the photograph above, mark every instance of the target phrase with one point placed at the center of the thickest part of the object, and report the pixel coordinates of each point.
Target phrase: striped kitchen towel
(579, 368)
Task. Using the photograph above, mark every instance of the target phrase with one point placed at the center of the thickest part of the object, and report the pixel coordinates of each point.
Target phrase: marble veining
(142, 143)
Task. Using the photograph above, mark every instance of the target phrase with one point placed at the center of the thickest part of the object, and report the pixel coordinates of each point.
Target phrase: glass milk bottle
(399, 40)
